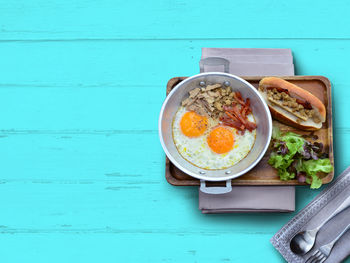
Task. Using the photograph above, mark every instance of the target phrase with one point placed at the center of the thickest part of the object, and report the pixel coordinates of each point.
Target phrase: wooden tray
(263, 173)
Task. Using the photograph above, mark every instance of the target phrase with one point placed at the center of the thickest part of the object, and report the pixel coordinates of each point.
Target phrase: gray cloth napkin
(245, 62)
(253, 61)
(249, 199)
(312, 215)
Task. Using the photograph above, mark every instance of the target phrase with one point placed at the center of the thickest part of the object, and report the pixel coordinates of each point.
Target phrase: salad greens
(295, 157)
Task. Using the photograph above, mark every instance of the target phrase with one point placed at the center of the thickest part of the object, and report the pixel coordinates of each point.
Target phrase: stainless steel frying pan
(263, 135)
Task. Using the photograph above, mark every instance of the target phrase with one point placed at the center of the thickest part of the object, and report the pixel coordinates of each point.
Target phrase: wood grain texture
(81, 86)
(171, 19)
(263, 173)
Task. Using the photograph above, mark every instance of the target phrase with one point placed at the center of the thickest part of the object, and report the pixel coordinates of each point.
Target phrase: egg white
(197, 151)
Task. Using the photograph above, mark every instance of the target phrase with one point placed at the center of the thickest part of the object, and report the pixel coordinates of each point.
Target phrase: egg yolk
(221, 140)
(193, 124)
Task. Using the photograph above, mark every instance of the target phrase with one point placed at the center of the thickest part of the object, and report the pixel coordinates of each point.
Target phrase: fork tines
(317, 257)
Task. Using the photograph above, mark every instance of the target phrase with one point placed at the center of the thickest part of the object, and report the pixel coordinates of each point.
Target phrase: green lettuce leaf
(294, 143)
(312, 167)
(276, 133)
(285, 175)
(315, 166)
(282, 160)
(316, 182)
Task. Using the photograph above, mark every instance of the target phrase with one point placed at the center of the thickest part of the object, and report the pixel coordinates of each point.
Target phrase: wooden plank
(136, 247)
(100, 109)
(119, 64)
(81, 157)
(115, 206)
(110, 19)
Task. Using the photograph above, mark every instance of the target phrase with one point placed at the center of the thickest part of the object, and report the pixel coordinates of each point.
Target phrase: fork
(321, 254)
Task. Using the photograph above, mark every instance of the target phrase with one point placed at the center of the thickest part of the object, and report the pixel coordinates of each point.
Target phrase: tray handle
(216, 190)
(214, 61)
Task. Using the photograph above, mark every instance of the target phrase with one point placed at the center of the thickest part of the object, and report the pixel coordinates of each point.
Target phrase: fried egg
(206, 143)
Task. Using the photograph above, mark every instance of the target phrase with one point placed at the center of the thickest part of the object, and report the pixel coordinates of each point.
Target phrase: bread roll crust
(282, 118)
(295, 91)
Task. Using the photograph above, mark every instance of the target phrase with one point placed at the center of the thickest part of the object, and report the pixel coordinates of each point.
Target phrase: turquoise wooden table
(81, 86)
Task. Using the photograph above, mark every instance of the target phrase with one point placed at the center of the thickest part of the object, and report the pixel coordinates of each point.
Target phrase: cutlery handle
(345, 204)
(328, 247)
(340, 235)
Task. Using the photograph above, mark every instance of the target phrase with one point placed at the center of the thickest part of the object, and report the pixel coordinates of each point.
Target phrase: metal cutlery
(304, 241)
(321, 254)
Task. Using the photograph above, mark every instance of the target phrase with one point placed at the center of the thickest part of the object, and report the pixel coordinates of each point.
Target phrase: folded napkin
(312, 215)
(253, 62)
(249, 199)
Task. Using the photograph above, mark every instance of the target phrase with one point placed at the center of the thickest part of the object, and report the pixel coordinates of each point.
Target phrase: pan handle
(214, 61)
(216, 190)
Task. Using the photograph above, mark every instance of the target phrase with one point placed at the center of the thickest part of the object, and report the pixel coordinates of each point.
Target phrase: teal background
(81, 86)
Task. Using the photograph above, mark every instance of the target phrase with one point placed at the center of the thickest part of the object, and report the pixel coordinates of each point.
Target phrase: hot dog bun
(308, 117)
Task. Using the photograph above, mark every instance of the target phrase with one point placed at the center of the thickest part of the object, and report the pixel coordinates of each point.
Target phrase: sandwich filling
(300, 108)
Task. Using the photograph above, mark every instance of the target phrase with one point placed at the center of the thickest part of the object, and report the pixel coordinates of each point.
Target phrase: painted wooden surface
(81, 85)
